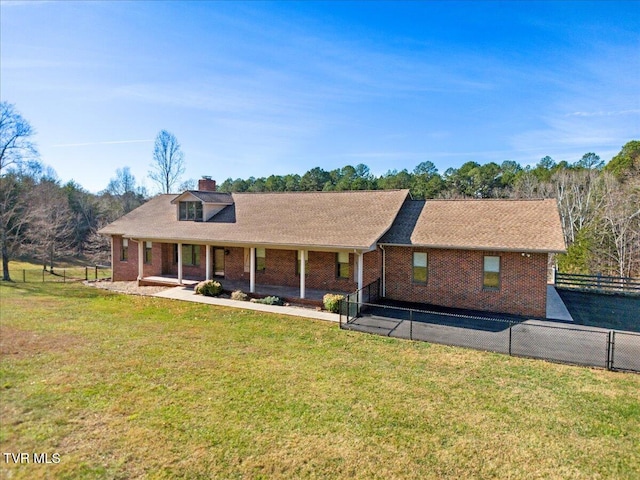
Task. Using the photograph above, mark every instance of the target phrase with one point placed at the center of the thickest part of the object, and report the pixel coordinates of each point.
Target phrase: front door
(218, 262)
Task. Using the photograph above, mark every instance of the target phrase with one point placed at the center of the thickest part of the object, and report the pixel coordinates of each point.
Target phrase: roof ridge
(475, 200)
(325, 191)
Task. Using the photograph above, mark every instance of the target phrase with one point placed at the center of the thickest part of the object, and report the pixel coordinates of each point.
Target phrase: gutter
(478, 248)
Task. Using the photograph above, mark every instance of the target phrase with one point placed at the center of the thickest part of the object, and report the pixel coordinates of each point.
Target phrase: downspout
(383, 293)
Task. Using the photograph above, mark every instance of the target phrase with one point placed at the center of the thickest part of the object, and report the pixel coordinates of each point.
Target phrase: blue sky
(260, 88)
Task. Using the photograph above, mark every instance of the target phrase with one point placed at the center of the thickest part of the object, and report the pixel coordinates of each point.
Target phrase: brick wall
(455, 280)
(280, 267)
(198, 272)
(127, 270)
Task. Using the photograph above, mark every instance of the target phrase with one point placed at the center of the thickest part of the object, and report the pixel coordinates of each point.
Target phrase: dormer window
(191, 211)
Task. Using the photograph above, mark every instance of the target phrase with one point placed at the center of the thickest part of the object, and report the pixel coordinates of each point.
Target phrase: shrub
(331, 302)
(239, 295)
(268, 300)
(209, 288)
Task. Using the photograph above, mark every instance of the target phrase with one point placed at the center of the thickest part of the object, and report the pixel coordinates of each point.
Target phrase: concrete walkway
(556, 309)
(186, 294)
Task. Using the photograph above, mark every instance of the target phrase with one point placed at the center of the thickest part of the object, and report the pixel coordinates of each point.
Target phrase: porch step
(163, 282)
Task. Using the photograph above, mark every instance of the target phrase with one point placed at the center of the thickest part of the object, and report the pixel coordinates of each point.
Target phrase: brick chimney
(205, 184)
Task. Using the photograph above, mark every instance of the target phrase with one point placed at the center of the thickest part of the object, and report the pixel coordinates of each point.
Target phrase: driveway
(618, 312)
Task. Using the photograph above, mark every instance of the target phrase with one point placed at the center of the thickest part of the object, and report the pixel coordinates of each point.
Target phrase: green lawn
(128, 387)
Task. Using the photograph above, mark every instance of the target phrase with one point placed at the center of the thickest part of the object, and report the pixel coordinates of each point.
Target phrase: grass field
(130, 387)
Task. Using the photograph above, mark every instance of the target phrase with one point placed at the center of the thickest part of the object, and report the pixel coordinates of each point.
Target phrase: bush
(332, 302)
(209, 288)
(268, 300)
(239, 295)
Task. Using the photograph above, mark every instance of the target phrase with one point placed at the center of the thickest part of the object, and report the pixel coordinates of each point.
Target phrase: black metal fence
(63, 275)
(557, 342)
(368, 294)
(598, 283)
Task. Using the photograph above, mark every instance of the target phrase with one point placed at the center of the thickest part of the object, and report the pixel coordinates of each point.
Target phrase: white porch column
(180, 263)
(252, 270)
(208, 260)
(303, 272)
(113, 258)
(360, 275)
(140, 259)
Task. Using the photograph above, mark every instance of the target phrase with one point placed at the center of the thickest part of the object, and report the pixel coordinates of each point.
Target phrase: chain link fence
(557, 342)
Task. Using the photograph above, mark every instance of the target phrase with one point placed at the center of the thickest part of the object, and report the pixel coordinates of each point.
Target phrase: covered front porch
(295, 275)
(286, 293)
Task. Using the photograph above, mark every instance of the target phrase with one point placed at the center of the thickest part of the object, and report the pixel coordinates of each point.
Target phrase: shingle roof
(518, 225)
(209, 197)
(402, 228)
(354, 219)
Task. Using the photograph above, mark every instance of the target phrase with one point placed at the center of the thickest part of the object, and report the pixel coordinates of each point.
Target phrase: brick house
(477, 254)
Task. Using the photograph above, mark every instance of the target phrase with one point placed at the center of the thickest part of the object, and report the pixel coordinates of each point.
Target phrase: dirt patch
(18, 343)
(130, 288)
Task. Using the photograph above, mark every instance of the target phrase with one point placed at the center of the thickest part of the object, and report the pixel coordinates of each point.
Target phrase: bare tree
(15, 137)
(50, 232)
(124, 191)
(168, 161)
(579, 199)
(620, 225)
(13, 217)
(15, 148)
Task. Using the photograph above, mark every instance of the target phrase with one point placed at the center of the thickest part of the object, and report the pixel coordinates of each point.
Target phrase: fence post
(86, 273)
(24, 276)
(610, 340)
(411, 324)
(64, 275)
(510, 330)
(96, 273)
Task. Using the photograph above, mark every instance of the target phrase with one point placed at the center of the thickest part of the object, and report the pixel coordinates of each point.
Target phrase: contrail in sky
(100, 143)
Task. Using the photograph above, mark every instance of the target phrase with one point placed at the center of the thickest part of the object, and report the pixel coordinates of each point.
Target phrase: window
(190, 254)
(124, 250)
(190, 211)
(420, 267)
(342, 265)
(261, 259)
(491, 277)
(147, 252)
(306, 263)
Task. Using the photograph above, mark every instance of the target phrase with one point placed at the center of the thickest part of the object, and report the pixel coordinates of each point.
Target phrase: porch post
(140, 259)
(113, 259)
(360, 275)
(303, 272)
(180, 263)
(208, 260)
(252, 270)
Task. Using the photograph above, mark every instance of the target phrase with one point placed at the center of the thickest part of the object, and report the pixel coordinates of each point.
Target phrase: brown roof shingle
(516, 225)
(354, 219)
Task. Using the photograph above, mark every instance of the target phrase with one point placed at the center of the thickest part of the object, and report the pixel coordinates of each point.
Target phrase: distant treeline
(599, 203)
